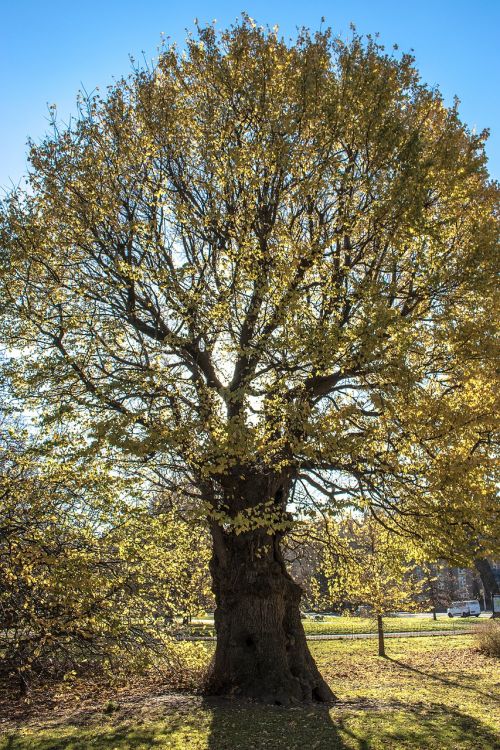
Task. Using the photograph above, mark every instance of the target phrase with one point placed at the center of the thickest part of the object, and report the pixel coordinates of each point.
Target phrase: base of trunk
(259, 672)
(261, 650)
(380, 633)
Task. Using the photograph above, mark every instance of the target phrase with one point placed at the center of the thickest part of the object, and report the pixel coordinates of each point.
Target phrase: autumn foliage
(90, 578)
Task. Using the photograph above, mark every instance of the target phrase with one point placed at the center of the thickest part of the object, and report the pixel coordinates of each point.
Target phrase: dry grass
(488, 638)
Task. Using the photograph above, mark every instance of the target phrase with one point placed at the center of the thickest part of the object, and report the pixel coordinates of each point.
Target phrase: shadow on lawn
(233, 726)
(416, 726)
(230, 726)
(250, 727)
(443, 680)
(398, 725)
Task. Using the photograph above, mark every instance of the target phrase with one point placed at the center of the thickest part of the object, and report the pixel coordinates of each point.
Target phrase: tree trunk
(488, 580)
(434, 615)
(380, 630)
(261, 650)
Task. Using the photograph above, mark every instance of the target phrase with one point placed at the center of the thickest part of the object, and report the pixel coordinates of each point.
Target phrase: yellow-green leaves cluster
(90, 578)
(271, 257)
(366, 564)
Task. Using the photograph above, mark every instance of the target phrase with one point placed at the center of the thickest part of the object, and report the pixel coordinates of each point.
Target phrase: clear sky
(50, 48)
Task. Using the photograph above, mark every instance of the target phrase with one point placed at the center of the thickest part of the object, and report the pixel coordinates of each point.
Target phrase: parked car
(469, 608)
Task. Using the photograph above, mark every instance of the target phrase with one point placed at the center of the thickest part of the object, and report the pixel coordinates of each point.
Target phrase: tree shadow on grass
(395, 725)
(231, 725)
(418, 726)
(250, 726)
(178, 730)
(215, 725)
(443, 680)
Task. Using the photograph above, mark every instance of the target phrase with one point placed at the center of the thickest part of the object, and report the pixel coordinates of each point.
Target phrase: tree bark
(261, 650)
(380, 631)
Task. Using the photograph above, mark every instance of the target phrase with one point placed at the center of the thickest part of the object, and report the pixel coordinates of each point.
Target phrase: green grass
(431, 693)
(353, 625)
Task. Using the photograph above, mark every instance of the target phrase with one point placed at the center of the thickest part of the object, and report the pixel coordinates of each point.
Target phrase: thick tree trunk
(261, 650)
(380, 631)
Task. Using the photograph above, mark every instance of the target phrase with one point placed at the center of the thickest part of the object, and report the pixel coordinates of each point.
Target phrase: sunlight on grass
(430, 693)
(353, 625)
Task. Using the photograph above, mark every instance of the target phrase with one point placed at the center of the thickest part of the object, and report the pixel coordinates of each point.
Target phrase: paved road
(353, 636)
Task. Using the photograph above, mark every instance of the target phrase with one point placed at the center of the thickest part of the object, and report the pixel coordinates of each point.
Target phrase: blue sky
(48, 50)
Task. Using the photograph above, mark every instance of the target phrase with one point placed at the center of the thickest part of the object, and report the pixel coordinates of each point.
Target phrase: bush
(488, 638)
(90, 582)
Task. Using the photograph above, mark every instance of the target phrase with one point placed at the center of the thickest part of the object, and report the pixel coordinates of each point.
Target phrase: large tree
(264, 267)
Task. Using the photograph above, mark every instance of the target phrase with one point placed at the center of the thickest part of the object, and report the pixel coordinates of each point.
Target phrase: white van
(469, 608)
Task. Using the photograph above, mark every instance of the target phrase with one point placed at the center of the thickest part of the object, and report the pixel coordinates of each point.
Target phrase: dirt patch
(82, 702)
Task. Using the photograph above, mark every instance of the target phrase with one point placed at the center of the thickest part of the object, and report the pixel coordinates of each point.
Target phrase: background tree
(490, 583)
(303, 550)
(89, 578)
(370, 565)
(267, 268)
(437, 581)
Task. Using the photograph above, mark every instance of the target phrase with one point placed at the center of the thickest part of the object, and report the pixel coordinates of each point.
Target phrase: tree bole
(488, 580)
(380, 632)
(261, 651)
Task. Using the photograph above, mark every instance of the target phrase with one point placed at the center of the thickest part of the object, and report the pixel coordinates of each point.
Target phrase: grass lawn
(350, 625)
(430, 693)
(353, 625)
